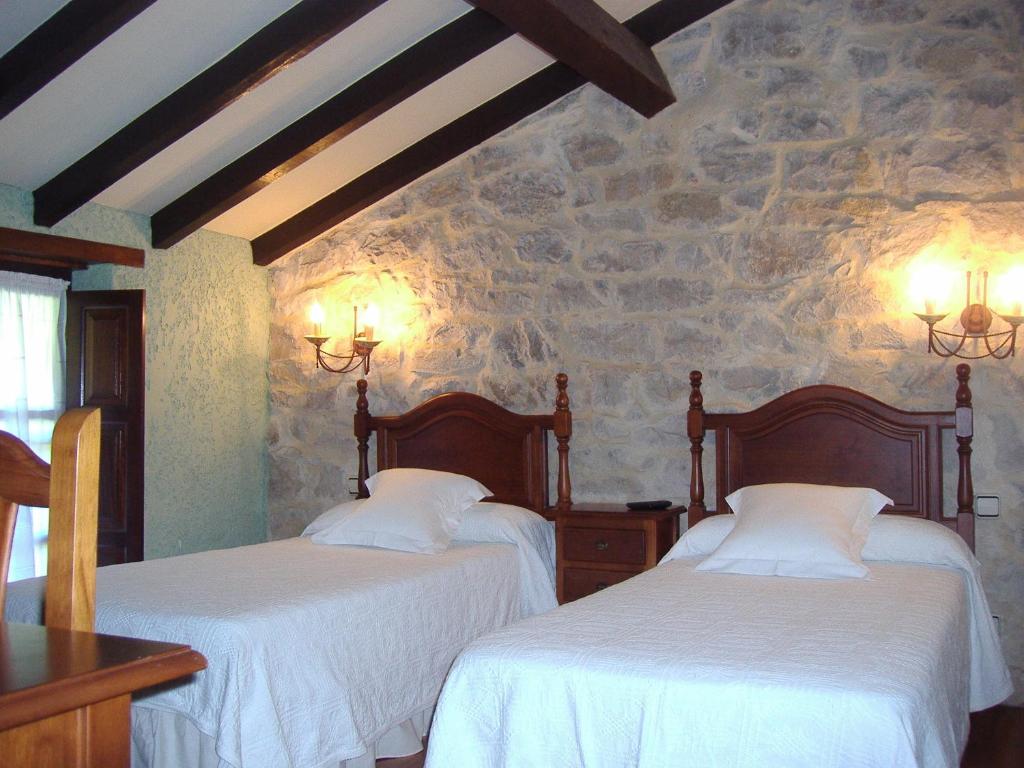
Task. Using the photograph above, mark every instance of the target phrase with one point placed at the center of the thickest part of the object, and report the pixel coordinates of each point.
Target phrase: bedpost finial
(963, 391)
(562, 399)
(362, 405)
(696, 398)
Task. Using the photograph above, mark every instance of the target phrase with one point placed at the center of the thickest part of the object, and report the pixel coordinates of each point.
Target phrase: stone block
(636, 182)
(525, 194)
(845, 167)
(694, 208)
(887, 11)
(586, 150)
(633, 256)
(793, 83)
(868, 62)
(797, 123)
(664, 293)
(768, 256)
(902, 110)
(543, 246)
(443, 191)
(730, 164)
(747, 36)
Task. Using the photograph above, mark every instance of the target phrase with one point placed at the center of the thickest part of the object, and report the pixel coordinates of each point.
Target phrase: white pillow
(326, 519)
(702, 539)
(797, 529)
(534, 537)
(414, 510)
(899, 539)
(891, 538)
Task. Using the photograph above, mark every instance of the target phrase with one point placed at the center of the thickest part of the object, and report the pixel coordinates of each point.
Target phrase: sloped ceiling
(124, 58)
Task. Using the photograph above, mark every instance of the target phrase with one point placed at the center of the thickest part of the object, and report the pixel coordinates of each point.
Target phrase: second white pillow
(797, 529)
(414, 510)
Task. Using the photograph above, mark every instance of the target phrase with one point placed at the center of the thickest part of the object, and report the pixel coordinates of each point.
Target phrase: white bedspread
(313, 651)
(677, 667)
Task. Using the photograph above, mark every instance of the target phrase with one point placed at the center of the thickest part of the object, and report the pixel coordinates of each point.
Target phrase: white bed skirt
(162, 739)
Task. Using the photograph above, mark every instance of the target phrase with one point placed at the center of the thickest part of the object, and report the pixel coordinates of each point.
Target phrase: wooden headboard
(468, 434)
(832, 435)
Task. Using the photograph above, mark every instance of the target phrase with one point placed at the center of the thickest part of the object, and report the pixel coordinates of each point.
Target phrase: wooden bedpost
(964, 436)
(695, 431)
(563, 431)
(361, 424)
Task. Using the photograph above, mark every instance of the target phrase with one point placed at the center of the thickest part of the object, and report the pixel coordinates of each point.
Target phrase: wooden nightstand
(602, 544)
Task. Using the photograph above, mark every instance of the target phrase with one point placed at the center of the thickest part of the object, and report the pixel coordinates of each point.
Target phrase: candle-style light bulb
(371, 317)
(316, 314)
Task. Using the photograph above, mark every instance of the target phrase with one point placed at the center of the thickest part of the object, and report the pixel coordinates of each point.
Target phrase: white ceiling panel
(435, 106)
(148, 58)
(287, 96)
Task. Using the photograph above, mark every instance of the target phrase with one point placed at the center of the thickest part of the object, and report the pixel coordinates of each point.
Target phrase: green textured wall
(207, 310)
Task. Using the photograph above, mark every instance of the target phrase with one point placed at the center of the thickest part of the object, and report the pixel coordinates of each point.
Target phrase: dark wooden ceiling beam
(542, 89)
(282, 42)
(60, 41)
(411, 71)
(583, 35)
(67, 252)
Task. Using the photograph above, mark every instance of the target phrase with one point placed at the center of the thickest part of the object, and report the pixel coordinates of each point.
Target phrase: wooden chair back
(69, 486)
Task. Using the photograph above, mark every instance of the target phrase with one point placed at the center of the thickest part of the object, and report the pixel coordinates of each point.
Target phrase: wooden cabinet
(602, 544)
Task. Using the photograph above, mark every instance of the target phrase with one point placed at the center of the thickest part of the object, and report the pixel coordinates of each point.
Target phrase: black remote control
(659, 504)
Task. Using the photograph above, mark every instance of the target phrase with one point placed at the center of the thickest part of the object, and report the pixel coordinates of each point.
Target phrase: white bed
(820, 660)
(676, 667)
(314, 652)
(322, 653)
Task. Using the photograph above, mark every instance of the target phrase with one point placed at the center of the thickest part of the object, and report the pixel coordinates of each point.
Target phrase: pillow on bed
(797, 529)
(413, 510)
(326, 519)
(534, 537)
(702, 539)
(891, 538)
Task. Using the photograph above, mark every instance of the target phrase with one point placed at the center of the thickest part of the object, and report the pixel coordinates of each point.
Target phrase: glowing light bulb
(316, 314)
(930, 286)
(1011, 292)
(371, 318)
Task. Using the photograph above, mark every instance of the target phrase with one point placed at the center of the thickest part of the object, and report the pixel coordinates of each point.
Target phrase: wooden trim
(584, 36)
(70, 33)
(279, 44)
(409, 72)
(64, 252)
(542, 89)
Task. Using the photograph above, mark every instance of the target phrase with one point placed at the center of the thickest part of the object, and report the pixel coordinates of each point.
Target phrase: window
(32, 315)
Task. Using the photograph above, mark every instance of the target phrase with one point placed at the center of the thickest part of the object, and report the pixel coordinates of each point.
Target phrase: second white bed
(676, 666)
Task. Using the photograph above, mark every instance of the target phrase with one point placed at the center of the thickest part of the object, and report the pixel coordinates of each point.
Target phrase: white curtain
(32, 318)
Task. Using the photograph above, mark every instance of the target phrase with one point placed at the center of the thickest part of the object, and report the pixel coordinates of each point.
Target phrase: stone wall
(761, 230)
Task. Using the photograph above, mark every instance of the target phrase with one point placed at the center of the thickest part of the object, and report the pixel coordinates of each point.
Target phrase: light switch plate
(986, 505)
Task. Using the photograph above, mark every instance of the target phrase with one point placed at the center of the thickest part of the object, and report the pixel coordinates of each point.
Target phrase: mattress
(678, 667)
(314, 651)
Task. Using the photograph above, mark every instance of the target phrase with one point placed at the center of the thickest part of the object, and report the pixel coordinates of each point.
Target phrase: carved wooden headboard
(468, 434)
(832, 435)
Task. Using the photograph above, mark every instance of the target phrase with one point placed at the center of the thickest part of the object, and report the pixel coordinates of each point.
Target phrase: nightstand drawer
(580, 582)
(605, 545)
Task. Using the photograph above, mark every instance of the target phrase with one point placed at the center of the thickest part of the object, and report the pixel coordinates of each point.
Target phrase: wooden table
(602, 544)
(65, 696)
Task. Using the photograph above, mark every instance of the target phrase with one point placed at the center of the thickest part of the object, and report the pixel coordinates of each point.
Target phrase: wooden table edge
(31, 704)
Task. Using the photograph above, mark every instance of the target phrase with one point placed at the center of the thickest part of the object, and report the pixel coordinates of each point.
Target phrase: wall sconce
(362, 343)
(976, 320)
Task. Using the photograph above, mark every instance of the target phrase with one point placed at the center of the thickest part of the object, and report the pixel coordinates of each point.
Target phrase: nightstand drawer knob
(601, 545)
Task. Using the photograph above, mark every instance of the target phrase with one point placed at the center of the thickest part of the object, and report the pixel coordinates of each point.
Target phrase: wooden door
(106, 369)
